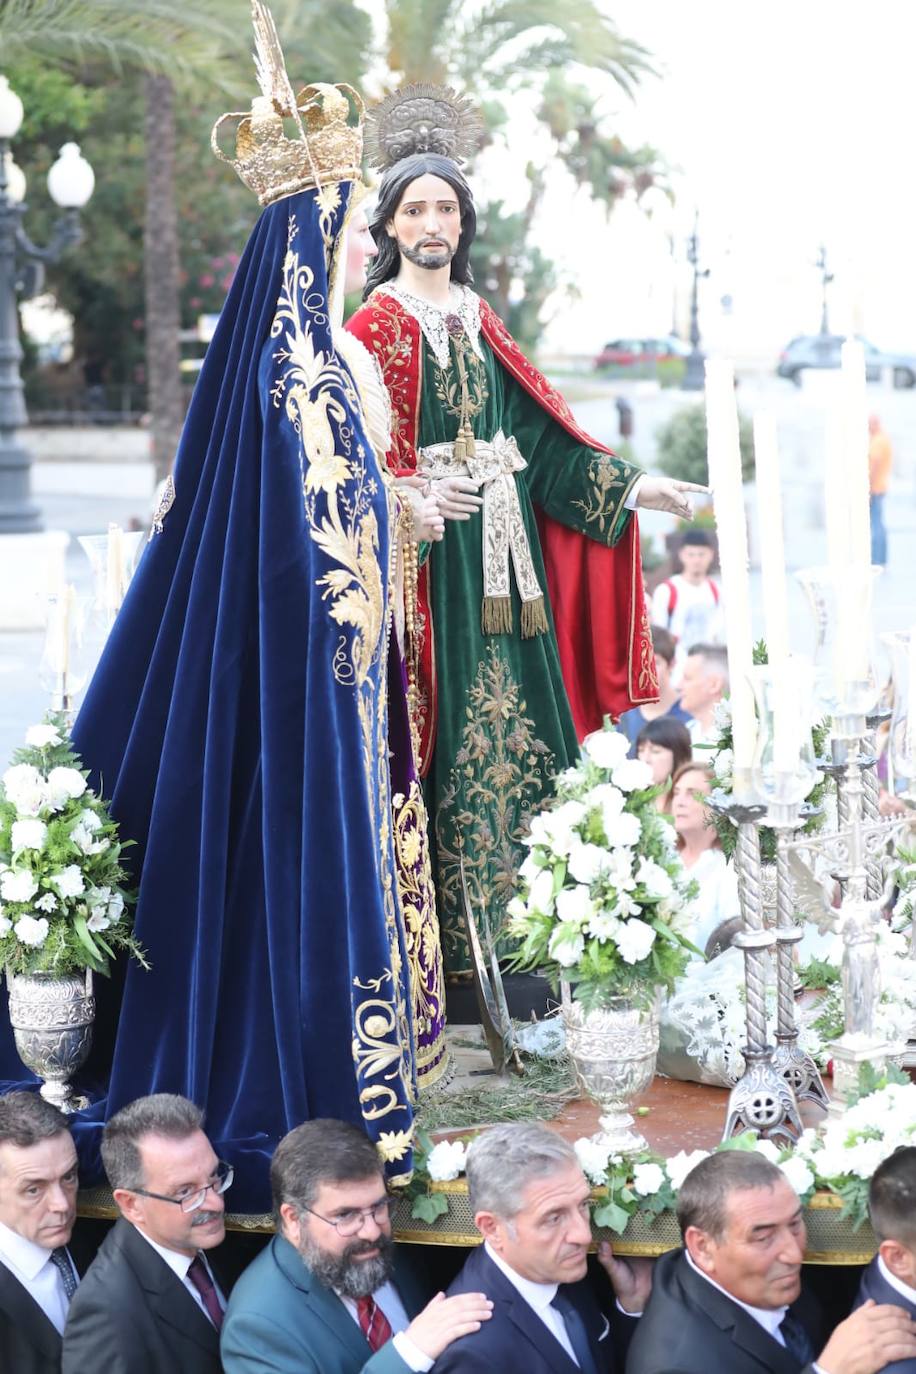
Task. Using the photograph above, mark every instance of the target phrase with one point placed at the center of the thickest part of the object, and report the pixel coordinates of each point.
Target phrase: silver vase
(613, 1050)
(52, 1018)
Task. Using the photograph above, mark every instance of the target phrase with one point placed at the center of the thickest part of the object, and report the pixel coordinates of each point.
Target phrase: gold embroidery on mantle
(421, 926)
(500, 775)
(340, 478)
(611, 481)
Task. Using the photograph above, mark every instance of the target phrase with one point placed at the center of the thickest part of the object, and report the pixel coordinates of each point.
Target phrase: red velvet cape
(596, 592)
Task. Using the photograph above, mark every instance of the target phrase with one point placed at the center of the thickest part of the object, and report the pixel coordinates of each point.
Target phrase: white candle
(772, 548)
(724, 453)
(836, 504)
(68, 596)
(855, 441)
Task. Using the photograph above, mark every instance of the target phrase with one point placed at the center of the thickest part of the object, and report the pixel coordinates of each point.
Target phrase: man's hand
(868, 1340)
(457, 497)
(664, 493)
(631, 1279)
(445, 1319)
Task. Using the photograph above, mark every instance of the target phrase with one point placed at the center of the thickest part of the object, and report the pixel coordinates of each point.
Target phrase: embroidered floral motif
(610, 482)
(500, 774)
(421, 928)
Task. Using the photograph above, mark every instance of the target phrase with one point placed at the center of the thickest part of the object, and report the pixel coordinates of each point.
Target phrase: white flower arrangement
(63, 905)
(602, 891)
(840, 1160)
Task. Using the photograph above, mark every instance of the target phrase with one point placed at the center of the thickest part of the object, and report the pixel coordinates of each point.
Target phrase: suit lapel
(746, 1333)
(25, 1314)
(326, 1305)
(521, 1314)
(168, 1297)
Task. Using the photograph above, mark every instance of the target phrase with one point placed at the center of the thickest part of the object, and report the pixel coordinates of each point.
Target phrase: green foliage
(65, 905)
(682, 445)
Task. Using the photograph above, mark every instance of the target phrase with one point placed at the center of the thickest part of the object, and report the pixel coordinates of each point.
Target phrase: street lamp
(22, 266)
(826, 279)
(694, 375)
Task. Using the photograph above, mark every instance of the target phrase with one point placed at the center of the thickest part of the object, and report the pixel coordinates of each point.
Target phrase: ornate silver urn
(613, 1050)
(52, 1015)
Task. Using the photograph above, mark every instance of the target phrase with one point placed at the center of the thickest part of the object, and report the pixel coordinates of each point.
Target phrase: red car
(636, 352)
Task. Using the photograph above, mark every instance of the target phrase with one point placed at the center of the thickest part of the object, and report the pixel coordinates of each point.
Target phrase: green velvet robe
(504, 723)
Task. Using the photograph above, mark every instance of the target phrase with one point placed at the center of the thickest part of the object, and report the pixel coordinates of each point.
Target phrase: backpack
(672, 595)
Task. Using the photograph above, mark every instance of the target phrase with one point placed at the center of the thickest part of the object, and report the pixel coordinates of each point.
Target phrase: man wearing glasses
(150, 1303)
(328, 1295)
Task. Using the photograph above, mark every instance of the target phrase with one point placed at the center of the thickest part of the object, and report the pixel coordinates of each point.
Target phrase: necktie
(373, 1323)
(199, 1275)
(575, 1330)
(61, 1261)
(798, 1342)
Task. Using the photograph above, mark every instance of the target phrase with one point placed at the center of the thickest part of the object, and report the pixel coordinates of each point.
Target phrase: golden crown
(327, 147)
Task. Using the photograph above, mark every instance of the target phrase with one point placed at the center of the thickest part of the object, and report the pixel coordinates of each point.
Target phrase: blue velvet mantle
(237, 723)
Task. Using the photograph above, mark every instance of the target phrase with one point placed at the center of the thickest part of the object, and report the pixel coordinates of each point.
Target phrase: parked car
(639, 352)
(823, 350)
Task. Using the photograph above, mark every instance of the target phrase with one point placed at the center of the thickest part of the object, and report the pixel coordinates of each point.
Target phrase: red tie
(373, 1323)
(200, 1277)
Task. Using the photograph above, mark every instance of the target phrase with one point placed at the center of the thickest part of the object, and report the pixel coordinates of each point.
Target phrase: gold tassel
(496, 615)
(460, 448)
(470, 446)
(534, 618)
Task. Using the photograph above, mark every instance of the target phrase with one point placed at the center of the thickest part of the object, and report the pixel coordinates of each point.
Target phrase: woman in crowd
(664, 744)
(701, 854)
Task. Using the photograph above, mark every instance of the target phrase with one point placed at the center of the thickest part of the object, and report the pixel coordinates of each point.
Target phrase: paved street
(83, 504)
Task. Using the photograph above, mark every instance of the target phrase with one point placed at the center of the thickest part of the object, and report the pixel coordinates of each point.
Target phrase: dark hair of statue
(391, 192)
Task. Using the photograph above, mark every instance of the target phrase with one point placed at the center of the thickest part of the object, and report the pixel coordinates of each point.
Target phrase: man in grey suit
(328, 1295)
(38, 1183)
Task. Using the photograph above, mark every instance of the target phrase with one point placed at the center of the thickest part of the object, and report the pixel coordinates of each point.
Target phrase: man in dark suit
(891, 1276)
(530, 1200)
(328, 1295)
(150, 1302)
(731, 1299)
(38, 1183)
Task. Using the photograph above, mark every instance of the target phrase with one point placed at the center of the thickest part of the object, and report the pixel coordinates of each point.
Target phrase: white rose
(29, 834)
(69, 881)
(722, 715)
(65, 784)
(446, 1160)
(620, 870)
(566, 946)
(587, 861)
(593, 1160)
(530, 868)
(89, 820)
(42, 736)
(624, 831)
(768, 1150)
(538, 831)
(647, 1179)
(574, 905)
(47, 902)
(17, 886)
(723, 764)
(607, 748)
(609, 798)
(30, 931)
(798, 1174)
(680, 1165)
(25, 789)
(634, 940)
(654, 878)
(6, 925)
(603, 926)
(540, 895)
(632, 775)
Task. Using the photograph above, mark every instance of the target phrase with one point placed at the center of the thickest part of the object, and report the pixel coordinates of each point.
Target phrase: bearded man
(328, 1296)
(530, 620)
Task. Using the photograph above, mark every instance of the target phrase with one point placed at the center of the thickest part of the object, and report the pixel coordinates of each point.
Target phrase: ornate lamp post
(695, 376)
(22, 263)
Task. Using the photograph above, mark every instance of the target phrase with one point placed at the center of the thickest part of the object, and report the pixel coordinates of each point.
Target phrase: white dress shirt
(179, 1265)
(31, 1265)
(770, 1318)
(388, 1299)
(538, 1296)
(898, 1285)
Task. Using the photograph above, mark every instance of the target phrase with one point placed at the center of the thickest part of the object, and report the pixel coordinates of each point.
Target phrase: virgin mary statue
(238, 719)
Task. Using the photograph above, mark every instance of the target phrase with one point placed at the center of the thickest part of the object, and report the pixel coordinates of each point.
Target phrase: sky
(788, 124)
